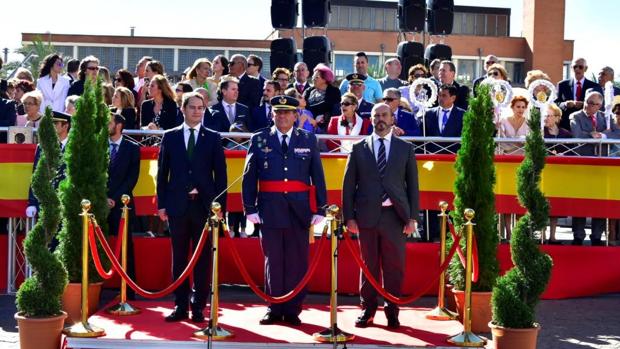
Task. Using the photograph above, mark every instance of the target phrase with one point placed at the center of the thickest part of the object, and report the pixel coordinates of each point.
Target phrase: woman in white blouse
(52, 85)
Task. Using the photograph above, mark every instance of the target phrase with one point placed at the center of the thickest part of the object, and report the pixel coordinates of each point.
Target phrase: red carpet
(148, 328)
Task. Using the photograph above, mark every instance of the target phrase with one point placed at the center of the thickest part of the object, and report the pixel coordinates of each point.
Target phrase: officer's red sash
(289, 186)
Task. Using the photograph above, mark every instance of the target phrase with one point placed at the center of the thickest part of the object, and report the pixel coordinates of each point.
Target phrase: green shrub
(517, 292)
(40, 295)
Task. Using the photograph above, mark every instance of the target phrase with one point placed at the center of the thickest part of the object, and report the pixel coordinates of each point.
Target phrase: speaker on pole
(284, 14)
(437, 51)
(440, 16)
(315, 13)
(317, 49)
(411, 15)
(283, 54)
(409, 53)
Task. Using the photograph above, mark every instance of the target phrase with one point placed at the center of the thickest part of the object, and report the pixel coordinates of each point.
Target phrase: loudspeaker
(411, 15)
(440, 51)
(283, 54)
(440, 16)
(315, 13)
(317, 49)
(409, 53)
(284, 14)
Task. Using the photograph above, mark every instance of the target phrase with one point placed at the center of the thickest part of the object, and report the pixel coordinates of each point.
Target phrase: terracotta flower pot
(72, 301)
(514, 338)
(481, 313)
(450, 302)
(40, 333)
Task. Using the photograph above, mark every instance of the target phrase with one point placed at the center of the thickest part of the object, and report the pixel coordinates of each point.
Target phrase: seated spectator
(198, 77)
(406, 123)
(89, 67)
(32, 104)
(53, 85)
(21, 87)
(323, 99)
(514, 126)
(160, 111)
(123, 103)
(349, 123)
(282, 76)
(305, 120)
(228, 111)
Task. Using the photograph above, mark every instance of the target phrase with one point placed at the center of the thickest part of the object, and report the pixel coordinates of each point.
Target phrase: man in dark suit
(606, 74)
(191, 175)
(571, 92)
(282, 167)
(488, 61)
(300, 80)
(8, 115)
(123, 172)
(445, 120)
(250, 89)
(591, 123)
(357, 87)
(447, 74)
(405, 123)
(380, 203)
(228, 111)
(262, 116)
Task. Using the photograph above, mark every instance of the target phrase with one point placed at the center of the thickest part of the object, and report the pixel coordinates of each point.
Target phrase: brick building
(362, 25)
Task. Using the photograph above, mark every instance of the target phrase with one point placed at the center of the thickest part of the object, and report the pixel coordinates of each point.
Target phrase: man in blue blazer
(228, 111)
(445, 120)
(191, 175)
(261, 116)
(123, 172)
(284, 189)
(406, 123)
(571, 92)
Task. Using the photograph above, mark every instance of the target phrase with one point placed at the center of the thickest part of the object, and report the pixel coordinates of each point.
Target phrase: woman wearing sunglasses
(347, 124)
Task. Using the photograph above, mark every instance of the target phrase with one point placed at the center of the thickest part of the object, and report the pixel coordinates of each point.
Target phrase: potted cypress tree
(473, 188)
(40, 317)
(517, 292)
(86, 156)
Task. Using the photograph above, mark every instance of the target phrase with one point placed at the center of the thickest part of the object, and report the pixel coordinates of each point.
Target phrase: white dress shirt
(387, 141)
(288, 135)
(440, 117)
(186, 133)
(575, 87)
(228, 109)
(118, 143)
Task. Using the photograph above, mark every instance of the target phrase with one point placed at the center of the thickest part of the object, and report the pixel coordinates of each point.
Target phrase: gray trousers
(383, 252)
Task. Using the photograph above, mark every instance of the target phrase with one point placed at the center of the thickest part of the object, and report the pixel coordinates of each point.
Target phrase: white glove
(31, 211)
(317, 219)
(254, 218)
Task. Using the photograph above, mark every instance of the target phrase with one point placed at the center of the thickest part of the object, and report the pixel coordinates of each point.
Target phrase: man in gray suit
(380, 203)
(591, 123)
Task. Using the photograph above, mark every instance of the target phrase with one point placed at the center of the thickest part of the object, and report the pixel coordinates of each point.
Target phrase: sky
(595, 37)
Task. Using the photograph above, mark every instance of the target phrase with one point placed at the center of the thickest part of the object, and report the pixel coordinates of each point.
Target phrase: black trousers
(113, 226)
(185, 231)
(579, 228)
(383, 252)
(286, 263)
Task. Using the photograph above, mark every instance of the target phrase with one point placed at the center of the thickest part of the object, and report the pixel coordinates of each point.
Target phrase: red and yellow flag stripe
(575, 186)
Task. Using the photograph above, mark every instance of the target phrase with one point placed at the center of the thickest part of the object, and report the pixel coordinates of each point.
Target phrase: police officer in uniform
(284, 189)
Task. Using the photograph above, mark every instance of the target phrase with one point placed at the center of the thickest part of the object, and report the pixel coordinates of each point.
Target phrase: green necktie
(191, 143)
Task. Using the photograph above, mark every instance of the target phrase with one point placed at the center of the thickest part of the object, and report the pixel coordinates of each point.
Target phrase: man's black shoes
(176, 315)
(270, 319)
(292, 320)
(197, 316)
(365, 319)
(392, 322)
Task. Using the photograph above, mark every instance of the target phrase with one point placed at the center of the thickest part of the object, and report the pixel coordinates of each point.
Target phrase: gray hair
(393, 90)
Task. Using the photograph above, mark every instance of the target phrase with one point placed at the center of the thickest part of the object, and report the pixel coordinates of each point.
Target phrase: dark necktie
(113, 152)
(300, 88)
(191, 143)
(284, 145)
(381, 165)
(444, 119)
(578, 91)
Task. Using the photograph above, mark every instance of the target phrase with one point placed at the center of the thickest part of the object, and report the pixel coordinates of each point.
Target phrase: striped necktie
(382, 164)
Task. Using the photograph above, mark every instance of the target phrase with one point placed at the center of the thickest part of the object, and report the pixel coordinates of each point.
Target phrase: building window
(343, 65)
(366, 21)
(469, 20)
(515, 72)
(491, 25)
(390, 20)
(164, 55)
(343, 17)
(458, 23)
(480, 26)
(379, 20)
(502, 25)
(109, 57)
(65, 51)
(374, 67)
(354, 21)
(465, 71)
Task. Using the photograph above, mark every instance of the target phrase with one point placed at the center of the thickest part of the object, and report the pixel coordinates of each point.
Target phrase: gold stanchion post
(440, 312)
(83, 328)
(467, 338)
(214, 331)
(123, 308)
(333, 334)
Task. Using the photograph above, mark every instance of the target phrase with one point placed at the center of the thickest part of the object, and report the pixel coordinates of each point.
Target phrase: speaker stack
(284, 50)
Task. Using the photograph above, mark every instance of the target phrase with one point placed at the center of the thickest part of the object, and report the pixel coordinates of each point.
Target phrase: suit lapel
(370, 154)
(391, 155)
(273, 141)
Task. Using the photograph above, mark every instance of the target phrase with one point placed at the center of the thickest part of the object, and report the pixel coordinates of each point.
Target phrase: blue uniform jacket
(265, 161)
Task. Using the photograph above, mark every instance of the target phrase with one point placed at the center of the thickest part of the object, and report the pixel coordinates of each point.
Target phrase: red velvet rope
(294, 292)
(385, 294)
(118, 268)
(475, 266)
(117, 249)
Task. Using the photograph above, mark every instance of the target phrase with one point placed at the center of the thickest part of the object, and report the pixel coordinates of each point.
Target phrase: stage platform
(148, 329)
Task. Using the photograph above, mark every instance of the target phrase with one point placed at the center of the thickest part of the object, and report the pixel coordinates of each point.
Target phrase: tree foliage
(40, 295)
(517, 292)
(86, 156)
(473, 188)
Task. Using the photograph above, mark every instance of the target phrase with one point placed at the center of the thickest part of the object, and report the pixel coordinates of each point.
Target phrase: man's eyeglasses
(92, 68)
(594, 104)
(489, 63)
(417, 76)
(388, 99)
(578, 66)
(252, 64)
(230, 64)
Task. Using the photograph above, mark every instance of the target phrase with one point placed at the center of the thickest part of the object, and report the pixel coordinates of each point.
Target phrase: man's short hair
(435, 63)
(392, 90)
(608, 70)
(257, 60)
(119, 119)
(591, 93)
(450, 88)
(362, 54)
(450, 64)
(241, 58)
(73, 65)
(187, 96)
(274, 84)
(392, 61)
